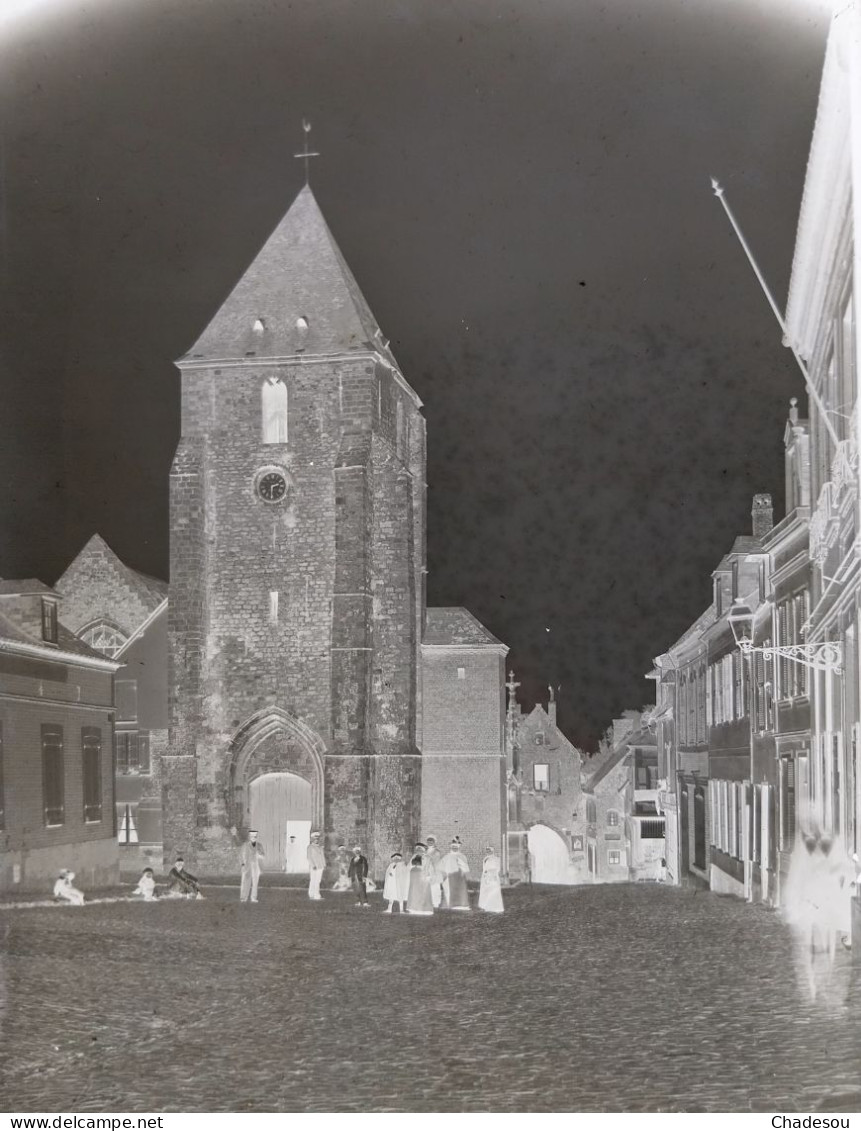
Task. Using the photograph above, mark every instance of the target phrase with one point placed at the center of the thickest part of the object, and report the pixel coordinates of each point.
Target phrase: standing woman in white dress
(490, 892)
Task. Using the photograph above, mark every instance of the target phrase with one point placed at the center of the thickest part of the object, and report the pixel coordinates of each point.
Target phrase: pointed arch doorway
(280, 807)
(276, 786)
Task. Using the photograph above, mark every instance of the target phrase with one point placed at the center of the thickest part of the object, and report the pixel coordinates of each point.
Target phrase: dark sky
(521, 189)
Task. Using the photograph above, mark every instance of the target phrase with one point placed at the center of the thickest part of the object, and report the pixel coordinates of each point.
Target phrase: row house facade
(624, 829)
(821, 328)
(732, 724)
(782, 699)
(56, 758)
(546, 837)
(681, 734)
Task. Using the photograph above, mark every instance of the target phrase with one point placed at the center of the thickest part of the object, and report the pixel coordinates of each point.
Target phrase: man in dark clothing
(183, 883)
(358, 873)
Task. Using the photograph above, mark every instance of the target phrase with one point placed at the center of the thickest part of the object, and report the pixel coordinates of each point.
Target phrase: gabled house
(56, 761)
(546, 820)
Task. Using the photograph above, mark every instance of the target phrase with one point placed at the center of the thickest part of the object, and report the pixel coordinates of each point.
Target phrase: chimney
(762, 515)
(551, 705)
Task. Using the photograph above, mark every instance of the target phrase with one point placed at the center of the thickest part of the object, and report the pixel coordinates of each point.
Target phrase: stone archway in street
(550, 859)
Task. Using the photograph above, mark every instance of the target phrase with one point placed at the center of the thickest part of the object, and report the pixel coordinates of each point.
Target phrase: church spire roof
(297, 297)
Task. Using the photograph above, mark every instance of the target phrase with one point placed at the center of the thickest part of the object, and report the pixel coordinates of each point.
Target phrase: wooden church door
(276, 801)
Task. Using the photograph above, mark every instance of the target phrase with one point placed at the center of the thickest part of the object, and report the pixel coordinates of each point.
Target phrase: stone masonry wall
(310, 657)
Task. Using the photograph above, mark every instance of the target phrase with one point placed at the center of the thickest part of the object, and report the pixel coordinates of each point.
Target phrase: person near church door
(419, 901)
(456, 868)
(249, 864)
(316, 865)
(490, 892)
(434, 856)
(396, 888)
(358, 873)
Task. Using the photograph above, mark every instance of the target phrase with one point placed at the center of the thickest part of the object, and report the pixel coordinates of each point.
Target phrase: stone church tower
(297, 520)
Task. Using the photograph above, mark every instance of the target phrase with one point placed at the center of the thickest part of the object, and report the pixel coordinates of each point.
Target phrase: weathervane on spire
(306, 154)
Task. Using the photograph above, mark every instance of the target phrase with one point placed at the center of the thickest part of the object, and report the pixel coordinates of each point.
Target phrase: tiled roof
(456, 625)
(298, 274)
(639, 737)
(24, 588)
(66, 641)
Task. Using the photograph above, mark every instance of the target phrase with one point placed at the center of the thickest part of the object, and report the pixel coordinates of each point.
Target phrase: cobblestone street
(636, 998)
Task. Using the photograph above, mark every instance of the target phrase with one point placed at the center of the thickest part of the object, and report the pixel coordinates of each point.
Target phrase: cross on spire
(306, 155)
(512, 687)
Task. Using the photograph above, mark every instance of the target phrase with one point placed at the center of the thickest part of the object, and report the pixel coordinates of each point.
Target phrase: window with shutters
(787, 803)
(91, 753)
(52, 775)
(699, 828)
(49, 620)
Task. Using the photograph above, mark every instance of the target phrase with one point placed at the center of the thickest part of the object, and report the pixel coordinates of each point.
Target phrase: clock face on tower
(271, 486)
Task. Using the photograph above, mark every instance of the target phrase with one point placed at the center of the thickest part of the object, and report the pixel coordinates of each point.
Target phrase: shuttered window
(91, 754)
(53, 793)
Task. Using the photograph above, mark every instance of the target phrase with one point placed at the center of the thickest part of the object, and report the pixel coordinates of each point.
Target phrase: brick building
(463, 733)
(302, 691)
(56, 731)
(140, 741)
(681, 735)
(610, 793)
(546, 817)
(822, 325)
(294, 678)
(123, 614)
(105, 601)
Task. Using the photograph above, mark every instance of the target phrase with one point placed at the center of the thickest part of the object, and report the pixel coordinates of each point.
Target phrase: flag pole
(815, 397)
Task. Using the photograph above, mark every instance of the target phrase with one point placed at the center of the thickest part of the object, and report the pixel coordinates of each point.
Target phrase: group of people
(180, 884)
(817, 903)
(430, 880)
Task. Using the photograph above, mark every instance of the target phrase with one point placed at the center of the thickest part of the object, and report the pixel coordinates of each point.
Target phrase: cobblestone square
(613, 998)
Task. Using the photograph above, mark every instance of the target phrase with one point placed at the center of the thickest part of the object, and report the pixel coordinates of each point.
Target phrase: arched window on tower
(274, 397)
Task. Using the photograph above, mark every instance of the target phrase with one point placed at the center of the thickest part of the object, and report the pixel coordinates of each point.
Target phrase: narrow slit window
(274, 397)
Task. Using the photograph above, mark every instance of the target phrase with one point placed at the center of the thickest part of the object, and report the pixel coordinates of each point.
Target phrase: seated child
(146, 886)
(64, 892)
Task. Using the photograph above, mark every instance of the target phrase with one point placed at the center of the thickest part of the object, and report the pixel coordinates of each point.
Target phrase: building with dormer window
(56, 746)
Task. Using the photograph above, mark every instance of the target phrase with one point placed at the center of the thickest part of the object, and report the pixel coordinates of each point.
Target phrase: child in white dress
(397, 884)
(65, 892)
